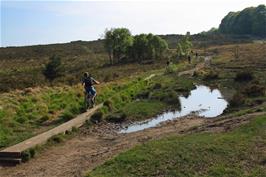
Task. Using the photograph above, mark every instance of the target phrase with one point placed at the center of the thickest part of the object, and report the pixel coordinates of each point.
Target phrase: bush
(157, 86)
(97, 117)
(211, 75)
(21, 120)
(244, 76)
(143, 95)
(25, 156)
(74, 129)
(43, 119)
(171, 98)
(108, 104)
(254, 90)
(53, 68)
(57, 138)
(66, 116)
(116, 117)
(32, 152)
(238, 100)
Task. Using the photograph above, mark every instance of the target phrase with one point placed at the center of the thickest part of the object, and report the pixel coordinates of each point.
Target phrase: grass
(143, 99)
(236, 153)
(139, 110)
(32, 111)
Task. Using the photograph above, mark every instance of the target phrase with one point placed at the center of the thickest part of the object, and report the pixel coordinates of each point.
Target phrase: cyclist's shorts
(91, 90)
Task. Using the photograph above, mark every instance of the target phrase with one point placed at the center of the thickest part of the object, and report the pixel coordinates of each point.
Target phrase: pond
(202, 101)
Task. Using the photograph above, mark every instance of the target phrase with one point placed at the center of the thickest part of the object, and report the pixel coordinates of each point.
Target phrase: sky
(25, 22)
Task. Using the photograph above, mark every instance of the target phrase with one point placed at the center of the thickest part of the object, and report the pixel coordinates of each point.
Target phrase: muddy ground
(95, 145)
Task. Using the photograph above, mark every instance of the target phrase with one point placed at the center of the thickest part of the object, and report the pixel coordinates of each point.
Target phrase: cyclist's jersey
(88, 81)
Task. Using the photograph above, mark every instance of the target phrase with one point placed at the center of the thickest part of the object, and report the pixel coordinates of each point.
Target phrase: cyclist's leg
(93, 93)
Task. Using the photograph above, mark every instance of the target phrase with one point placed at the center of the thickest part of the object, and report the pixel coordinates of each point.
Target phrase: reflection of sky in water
(202, 101)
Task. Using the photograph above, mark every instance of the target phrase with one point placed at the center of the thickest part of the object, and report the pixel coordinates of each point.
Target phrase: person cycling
(88, 81)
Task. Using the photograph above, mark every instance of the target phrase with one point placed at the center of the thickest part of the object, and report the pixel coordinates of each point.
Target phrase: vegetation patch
(139, 110)
(97, 117)
(244, 76)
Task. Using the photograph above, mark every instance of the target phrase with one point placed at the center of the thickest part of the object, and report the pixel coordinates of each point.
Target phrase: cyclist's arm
(82, 82)
(95, 81)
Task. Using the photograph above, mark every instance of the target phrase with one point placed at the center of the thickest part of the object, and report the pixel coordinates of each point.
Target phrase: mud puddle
(201, 101)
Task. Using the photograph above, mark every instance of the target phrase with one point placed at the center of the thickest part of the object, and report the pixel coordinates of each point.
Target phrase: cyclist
(88, 81)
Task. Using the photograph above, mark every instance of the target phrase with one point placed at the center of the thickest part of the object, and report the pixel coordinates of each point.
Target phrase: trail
(92, 147)
(192, 71)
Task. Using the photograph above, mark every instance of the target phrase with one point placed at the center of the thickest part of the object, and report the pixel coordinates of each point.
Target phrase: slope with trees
(250, 21)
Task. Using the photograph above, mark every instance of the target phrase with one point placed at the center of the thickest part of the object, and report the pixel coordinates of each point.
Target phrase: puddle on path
(202, 101)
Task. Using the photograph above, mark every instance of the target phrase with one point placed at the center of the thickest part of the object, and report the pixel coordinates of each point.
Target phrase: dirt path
(94, 146)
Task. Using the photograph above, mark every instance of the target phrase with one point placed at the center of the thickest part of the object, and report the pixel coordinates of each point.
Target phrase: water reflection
(201, 101)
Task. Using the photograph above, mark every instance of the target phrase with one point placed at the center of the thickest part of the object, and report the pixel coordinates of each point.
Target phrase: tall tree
(149, 46)
(117, 41)
(184, 46)
(140, 46)
(109, 44)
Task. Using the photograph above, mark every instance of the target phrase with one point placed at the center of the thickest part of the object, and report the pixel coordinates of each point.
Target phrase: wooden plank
(10, 154)
(42, 138)
(9, 161)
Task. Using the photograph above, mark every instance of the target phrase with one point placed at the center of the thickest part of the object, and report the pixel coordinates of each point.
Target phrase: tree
(159, 45)
(53, 68)
(140, 47)
(117, 41)
(250, 21)
(148, 46)
(184, 46)
(109, 44)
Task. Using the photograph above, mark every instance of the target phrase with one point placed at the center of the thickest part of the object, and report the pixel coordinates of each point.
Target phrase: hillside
(21, 67)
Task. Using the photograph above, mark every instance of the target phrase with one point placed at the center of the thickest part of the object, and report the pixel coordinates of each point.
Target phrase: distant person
(189, 59)
(88, 81)
(168, 62)
(196, 54)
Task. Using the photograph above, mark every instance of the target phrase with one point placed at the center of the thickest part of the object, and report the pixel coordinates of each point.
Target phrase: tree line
(250, 21)
(121, 44)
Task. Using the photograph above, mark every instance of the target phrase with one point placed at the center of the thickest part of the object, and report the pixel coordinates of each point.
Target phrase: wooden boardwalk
(13, 153)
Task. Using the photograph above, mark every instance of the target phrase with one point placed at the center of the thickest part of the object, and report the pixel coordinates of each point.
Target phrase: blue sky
(42, 22)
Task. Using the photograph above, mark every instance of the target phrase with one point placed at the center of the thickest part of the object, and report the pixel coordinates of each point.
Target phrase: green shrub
(57, 138)
(143, 95)
(43, 119)
(211, 75)
(32, 152)
(244, 76)
(74, 129)
(75, 109)
(116, 117)
(25, 156)
(171, 98)
(238, 100)
(21, 120)
(67, 132)
(157, 86)
(109, 104)
(66, 116)
(254, 90)
(97, 117)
